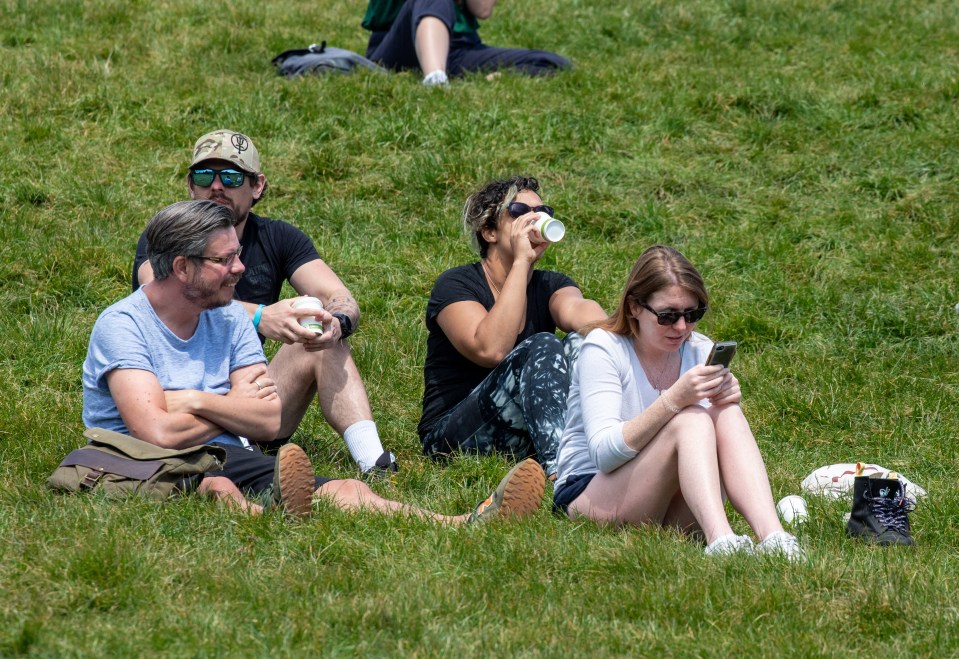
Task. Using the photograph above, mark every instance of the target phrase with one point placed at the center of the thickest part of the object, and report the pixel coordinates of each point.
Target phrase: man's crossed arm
(183, 418)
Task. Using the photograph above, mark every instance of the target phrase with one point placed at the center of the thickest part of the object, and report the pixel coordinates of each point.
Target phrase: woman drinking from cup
(496, 376)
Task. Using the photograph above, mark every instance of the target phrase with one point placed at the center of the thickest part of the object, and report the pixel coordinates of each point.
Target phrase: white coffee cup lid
(307, 302)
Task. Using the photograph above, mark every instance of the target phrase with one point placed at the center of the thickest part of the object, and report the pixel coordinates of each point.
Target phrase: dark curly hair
(483, 208)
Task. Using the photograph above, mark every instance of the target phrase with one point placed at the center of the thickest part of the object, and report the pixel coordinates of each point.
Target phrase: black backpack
(321, 59)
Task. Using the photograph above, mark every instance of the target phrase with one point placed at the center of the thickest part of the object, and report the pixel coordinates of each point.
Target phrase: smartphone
(721, 354)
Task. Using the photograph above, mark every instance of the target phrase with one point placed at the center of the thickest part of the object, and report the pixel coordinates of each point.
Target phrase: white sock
(437, 77)
(364, 443)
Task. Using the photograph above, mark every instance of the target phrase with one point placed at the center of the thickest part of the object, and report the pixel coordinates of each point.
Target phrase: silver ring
(258, 385)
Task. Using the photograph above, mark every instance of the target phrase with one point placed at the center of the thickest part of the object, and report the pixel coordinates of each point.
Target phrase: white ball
(792, 509)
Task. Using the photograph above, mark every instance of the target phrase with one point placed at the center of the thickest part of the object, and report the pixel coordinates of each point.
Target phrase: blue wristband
(256, 317)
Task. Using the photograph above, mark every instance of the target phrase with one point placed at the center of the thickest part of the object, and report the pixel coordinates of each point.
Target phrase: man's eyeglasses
(672, 317)
(518, 208)
(222, 260)
(230, 178)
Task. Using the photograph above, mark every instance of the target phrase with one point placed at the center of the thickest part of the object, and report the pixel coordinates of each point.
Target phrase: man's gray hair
(183, 229)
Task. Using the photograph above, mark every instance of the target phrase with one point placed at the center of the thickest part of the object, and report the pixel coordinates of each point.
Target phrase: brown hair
(657, 268)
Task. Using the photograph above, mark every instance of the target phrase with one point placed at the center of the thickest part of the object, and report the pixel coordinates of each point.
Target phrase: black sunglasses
(518, 208)
(230, 178)
(672, 317)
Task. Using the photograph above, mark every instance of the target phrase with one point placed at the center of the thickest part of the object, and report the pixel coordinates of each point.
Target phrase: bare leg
(356, 495)
(680, 517)
(432, 44)
(222, 488)
(743, 470)
(341, 393)
(680, 460)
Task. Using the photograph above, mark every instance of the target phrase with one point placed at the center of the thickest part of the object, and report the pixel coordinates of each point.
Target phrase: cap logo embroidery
(239, 142)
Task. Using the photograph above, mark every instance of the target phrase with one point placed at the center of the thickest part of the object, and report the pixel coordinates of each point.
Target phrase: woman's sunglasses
(518, 208)
(672, 317)
(230, 178)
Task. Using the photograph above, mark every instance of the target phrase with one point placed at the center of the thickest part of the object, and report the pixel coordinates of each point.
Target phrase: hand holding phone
(721, 354)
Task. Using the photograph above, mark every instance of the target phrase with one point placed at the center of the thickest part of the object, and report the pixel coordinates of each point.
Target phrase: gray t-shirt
(129, 334)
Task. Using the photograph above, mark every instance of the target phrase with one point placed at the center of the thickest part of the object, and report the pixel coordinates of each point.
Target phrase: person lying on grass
(178, 364)
(496, 376)
(653, 435)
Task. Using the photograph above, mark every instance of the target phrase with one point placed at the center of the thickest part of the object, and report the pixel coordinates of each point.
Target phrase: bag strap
(108, 463)
(312, 48)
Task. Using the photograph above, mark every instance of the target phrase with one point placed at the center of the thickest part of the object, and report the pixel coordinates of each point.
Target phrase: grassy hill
(803, 155)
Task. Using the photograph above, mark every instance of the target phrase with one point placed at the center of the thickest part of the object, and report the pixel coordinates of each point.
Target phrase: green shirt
(380, 15)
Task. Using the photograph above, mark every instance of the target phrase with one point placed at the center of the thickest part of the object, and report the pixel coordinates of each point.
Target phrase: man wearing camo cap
(226, 169)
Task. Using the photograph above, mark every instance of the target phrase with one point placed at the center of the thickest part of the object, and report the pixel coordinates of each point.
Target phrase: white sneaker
(730, 544)
(436, 79)
(782, 544)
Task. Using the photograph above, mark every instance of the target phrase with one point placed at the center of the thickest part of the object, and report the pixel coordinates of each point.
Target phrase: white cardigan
(609, 387)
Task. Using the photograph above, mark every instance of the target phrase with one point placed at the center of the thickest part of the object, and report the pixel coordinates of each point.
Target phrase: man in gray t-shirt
(130, 335)
(178, 364)
(225, 168)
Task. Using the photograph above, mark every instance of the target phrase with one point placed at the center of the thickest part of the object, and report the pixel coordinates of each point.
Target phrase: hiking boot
(728, 544)
(782, 544)
(880, 510)
(519, 494)
(293, 481)
(383, 469)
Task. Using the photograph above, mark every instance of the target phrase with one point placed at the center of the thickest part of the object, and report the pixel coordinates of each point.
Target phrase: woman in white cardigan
(653, 435)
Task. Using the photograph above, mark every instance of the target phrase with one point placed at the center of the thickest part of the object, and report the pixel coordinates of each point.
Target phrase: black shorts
(571, 489)
(250, 470)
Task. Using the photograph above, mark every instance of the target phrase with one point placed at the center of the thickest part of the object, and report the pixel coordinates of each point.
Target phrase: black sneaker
(880, 510)
(383, 469)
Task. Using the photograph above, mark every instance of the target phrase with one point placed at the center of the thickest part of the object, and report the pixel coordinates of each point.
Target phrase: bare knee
(294, 358)
(693, 424)
(217, 486)
(294, 370)
(346, 493)
(728, 411)
(302, 363)
(692, 414)
(690, 420)
(336, 353)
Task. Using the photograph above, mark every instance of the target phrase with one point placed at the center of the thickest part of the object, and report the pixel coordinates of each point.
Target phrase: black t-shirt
(272, 252)
(448, 376)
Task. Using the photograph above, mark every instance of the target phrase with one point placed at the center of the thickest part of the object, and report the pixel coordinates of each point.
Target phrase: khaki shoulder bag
(121, 465)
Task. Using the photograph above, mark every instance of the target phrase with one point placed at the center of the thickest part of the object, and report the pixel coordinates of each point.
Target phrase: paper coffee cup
(548, 229)
(792, 509)
(310, 322)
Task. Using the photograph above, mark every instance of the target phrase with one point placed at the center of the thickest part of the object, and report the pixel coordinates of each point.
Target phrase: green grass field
(803, 155)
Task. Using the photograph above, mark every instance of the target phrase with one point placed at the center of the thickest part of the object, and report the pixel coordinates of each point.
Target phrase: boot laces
(891, 513)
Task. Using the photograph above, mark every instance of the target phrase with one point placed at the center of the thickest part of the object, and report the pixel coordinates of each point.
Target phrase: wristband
(256, 317)
(346, 324)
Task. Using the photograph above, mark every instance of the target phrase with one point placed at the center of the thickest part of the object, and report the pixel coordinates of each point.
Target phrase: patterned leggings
(520, 408)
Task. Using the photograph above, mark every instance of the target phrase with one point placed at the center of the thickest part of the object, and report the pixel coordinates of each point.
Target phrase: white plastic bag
(835, 481)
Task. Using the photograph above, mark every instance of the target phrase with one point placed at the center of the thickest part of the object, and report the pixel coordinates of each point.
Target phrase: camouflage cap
(227, 145)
